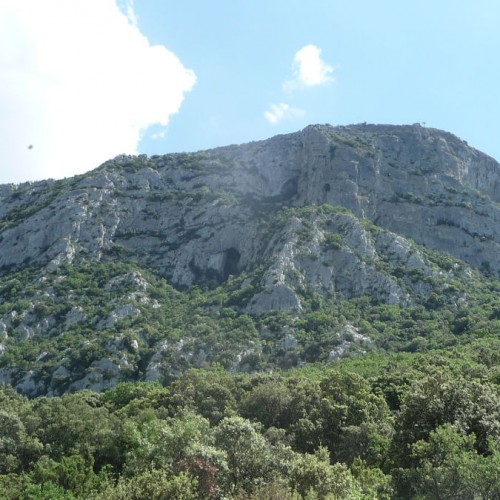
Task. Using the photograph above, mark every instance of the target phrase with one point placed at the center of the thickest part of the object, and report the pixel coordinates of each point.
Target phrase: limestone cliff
(196, 216)
(328, 212)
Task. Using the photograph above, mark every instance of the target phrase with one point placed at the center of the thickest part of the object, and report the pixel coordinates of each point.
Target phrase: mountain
(305, 247)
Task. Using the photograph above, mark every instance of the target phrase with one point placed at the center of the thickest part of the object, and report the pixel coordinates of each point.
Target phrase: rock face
(338, 212)
(195, 218)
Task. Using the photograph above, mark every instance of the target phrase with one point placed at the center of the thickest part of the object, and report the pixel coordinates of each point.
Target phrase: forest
(380, 426)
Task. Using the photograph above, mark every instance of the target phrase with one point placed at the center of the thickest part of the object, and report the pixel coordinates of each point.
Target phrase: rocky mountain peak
(197, 212)
(401, 216)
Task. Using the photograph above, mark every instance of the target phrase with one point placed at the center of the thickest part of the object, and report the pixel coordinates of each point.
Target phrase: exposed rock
(43, 355)
(120, 313)
(350, 340)
(102, 374)
(153, 370)
(75, 315)
(6, 376)
(25, 331)
(350, 333)
(192, 217)
(278, 298)
(28, 384)
(327, 213)
(200, 359)
(244, 360)
(289, 342)
(61, 372)
(135, 280)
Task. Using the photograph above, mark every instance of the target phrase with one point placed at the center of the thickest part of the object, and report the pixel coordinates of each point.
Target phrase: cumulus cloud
(309, 69)
(281, 111)
(79, 84)
(127, 7)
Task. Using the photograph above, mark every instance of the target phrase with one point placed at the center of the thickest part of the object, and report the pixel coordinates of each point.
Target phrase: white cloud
(309, 69)
(79, 84)
(281, 111)
(127, 7)
(159, 134)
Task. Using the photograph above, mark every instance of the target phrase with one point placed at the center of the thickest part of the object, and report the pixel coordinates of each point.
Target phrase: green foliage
(314, 477)
(442, 398)
(333, 241)
(208, 393)
(249, 456)
(157, 484)
(448, 466)
(268, 403)
(413, 412)
(204, 328)
(401, 426)
(72, 474)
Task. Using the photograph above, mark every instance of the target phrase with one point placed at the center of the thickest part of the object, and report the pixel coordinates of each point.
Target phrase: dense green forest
(378, 426)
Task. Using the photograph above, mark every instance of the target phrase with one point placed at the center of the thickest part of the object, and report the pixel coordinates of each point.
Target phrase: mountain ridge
(451, 186)
(297, 225)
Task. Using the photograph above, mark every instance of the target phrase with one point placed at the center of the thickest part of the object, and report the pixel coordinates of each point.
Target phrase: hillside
(314, 316)
(312, 246)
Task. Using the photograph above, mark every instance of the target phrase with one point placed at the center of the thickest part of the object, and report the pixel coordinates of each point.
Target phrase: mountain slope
(421, 183)
(305, 225)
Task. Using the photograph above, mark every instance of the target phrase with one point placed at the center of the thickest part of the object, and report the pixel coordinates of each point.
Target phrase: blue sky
(230, 72)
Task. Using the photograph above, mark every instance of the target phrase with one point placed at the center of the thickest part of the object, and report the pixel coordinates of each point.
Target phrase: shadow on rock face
(231, 261)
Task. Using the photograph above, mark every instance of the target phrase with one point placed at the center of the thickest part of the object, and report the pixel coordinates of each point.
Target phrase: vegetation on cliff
(312, 316)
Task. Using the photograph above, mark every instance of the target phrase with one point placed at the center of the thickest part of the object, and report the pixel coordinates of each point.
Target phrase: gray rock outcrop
(327, 213)
(195, 217)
